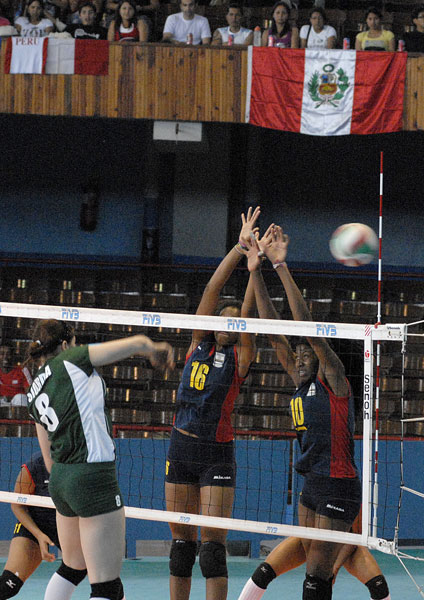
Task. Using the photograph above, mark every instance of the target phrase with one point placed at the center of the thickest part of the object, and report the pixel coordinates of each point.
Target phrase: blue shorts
(332, 497)
(47, 525)
(193, 461)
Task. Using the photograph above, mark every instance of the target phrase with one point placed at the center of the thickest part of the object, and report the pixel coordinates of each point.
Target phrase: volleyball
(354, 244)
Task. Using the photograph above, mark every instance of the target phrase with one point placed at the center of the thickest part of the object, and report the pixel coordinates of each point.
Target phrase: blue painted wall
(262, 483)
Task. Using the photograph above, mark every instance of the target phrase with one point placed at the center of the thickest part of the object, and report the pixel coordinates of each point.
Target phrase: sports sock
(59, 587)
(251, 591)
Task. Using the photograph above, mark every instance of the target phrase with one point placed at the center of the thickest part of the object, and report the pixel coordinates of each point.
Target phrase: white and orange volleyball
(354, 244)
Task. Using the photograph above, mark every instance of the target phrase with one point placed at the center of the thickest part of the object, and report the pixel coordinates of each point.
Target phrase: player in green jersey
(67, 401)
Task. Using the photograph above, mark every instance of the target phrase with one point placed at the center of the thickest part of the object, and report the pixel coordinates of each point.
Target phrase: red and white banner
(79, 57)
(57, 56)
(26, 55)
(326, 92)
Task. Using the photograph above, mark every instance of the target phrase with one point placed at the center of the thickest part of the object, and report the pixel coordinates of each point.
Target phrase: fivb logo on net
(326, 329)
(236, 324)
(71, 314)
(151, 319)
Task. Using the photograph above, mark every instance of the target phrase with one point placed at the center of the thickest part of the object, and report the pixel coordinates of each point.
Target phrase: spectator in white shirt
(33, 23)
(187, 27)
(241, 35)
(318, 35)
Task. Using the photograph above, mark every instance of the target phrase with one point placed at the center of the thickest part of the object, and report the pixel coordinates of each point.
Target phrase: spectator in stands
(241, 35)
(14, 381)
(318, 34)
(33, 23)
(6, 28)
(147, 8)
(187, 27)
(414, 40)
(126, 26)
(3, 21)
(6, 10)
(375, 37)
(87, 29)
(285, 35)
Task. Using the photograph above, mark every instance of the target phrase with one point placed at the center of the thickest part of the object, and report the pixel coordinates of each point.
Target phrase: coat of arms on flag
(328, 86)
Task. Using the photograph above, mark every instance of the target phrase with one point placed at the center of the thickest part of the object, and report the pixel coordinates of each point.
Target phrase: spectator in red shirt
(14, 381)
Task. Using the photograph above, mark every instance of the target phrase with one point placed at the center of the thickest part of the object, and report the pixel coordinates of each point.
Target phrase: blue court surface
(147, 579)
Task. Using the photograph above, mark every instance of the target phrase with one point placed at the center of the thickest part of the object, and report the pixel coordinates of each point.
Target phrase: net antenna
(378, 355)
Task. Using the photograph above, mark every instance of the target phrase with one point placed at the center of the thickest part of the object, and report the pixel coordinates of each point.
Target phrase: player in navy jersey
(200, 467)
(323, 416)
(34, 532)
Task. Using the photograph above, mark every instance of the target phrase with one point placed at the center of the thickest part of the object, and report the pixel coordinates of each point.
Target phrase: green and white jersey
(67, 397)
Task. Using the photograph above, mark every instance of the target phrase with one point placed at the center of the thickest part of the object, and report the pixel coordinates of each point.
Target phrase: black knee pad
(106, 589)
(74, 576)
(10, 585)
(213, 560)
(315, 588)
(263, 575)
(121, 590)
(378, 587)
(182, 558)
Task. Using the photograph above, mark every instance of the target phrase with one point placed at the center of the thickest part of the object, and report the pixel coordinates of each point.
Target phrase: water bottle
(257, 41)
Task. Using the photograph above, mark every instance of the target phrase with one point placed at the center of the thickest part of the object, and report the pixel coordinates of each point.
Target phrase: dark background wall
(193, 193)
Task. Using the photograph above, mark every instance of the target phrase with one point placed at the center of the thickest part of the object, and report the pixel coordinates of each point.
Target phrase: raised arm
(210, 297)
(267, 310)
(160, 354)
(247, 347)
(331, 368)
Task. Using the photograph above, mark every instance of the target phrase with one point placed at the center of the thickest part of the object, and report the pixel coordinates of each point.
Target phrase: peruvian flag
(79, 57)
(326, 92)
(26, 55)
(57, 56)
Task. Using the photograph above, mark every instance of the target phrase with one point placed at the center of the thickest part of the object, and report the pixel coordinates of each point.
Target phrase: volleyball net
(384, 364)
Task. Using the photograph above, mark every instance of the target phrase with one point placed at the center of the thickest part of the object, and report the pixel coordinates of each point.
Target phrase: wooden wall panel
(158, 81)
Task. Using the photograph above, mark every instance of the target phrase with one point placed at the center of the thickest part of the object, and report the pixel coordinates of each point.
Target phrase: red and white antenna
(378, 354)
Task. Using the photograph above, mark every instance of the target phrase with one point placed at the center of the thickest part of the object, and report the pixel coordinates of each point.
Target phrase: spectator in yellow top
(375, 38)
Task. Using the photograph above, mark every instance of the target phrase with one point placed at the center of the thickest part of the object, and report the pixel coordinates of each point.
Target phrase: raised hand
(274, 244)
(254, 259)
(248, 225)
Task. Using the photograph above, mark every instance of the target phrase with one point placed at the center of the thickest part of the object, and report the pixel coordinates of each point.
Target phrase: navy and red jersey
(324, 425)
(210, 383)
(40, 477)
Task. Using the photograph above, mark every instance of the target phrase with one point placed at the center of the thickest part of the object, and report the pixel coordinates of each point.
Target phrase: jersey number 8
(46, 412)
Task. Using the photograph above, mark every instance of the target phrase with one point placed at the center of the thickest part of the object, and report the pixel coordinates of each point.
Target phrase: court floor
(147, 579)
